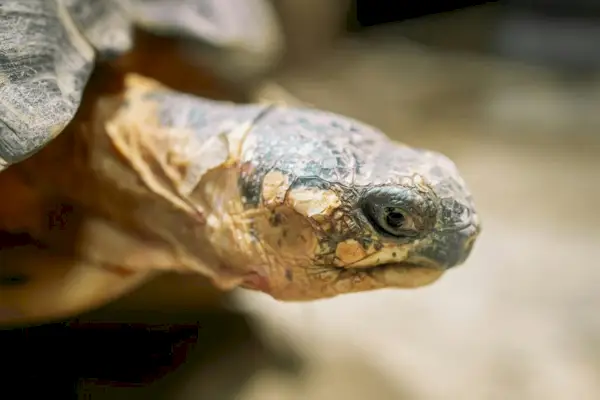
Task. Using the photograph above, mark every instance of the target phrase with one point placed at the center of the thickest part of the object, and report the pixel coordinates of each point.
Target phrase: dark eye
(393, 221)
(394, 218)
(393, 211)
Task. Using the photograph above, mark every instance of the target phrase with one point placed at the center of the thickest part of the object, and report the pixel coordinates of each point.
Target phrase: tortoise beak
(448, 249)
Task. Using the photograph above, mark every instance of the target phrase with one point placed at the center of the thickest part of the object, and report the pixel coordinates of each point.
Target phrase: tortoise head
(331, 206)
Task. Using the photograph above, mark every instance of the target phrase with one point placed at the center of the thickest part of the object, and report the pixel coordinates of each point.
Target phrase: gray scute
(44, 66)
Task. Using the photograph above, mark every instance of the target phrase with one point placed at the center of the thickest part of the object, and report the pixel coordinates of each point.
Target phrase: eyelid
(419, 207)
(377, 214)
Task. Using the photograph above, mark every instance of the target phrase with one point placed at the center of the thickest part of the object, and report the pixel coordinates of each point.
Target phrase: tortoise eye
(395, 221)
(392, 221)
(392, 212)
(394, 218)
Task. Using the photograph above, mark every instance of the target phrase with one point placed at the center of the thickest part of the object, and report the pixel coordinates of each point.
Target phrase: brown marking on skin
(349, 252)
(314, 203)
(299, 241)
(275, 185)
(289, 274)
(274, 258)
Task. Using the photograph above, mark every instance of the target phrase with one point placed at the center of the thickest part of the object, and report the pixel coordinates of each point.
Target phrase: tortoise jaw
(334, 281)
(404, 265)
(406, 274)
(329, 281)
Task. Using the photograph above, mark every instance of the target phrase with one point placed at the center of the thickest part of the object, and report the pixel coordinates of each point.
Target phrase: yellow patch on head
(314, 202)
(349, 252)
(275, 185)
(388, 254)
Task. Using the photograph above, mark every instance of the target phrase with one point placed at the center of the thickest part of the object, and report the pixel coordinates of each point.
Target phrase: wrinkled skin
(298, 203)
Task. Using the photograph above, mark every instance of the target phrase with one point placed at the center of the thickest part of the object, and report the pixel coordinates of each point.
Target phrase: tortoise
(289, 200)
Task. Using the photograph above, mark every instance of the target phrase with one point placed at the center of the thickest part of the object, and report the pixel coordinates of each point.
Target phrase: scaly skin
(292, 202)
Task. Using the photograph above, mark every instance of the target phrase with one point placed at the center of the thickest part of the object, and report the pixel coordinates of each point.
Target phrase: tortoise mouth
(401, 265)
(404, 274)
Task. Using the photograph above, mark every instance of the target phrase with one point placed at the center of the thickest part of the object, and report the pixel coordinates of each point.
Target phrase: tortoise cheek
(318, 204)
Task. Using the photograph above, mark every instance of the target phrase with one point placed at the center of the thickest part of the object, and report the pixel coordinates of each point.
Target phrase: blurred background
(511, 92)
